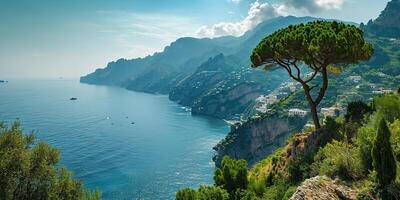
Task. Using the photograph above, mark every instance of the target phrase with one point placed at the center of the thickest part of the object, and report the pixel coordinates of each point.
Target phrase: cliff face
(322, 187)
(388, 22)
(256, 139)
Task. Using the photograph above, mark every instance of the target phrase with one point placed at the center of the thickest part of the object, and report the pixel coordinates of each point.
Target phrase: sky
(48, 39)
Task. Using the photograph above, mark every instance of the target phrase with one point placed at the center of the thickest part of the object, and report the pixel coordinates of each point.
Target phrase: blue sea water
(165, 149)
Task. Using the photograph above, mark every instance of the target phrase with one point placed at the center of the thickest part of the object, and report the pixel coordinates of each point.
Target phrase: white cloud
(329, 4)
(235, 1)
(314, 6)
(257, 13)
(260, 12)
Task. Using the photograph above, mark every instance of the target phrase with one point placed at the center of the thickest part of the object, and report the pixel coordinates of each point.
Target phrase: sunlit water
(165, 149)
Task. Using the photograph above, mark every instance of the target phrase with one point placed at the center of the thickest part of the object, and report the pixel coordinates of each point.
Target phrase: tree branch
(322, 90)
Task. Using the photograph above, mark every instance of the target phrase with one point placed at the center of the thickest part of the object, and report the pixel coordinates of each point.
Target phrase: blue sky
(47, 39)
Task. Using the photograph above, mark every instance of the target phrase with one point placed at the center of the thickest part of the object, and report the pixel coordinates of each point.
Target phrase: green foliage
(388, 107)
(289, 192)
(356, 111)
(212, 193)
(298, 169)
(232, 176)
(395, 138)
(277, 190)
(27, 170)
(330, 132)
(249, 195)
(321, 45)
(258, 187)
(382, 154)
(364, 140)
(186, 194)
(338, 159)
(318, 41)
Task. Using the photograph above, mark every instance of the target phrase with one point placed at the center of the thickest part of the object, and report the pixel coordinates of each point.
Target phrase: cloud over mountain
(260, 12)
(257, 13)
(314, 6)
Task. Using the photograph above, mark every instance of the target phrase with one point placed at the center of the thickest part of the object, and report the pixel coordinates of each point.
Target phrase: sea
(127, 144)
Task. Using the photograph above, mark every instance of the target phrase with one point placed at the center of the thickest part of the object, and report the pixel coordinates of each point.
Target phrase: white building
(297, 112)
(355, 78)
(383, 91)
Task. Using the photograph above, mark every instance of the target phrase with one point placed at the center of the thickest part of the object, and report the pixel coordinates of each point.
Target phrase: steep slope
(181, 57)
(388, 22)
(256, 138)
(222, 88)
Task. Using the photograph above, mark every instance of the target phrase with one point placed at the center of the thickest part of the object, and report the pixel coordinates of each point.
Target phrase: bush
(299, 169)
(356, 111)
(257, 187)
(186, 194)
(232, 176)
(395, 138)
(289, 192)
(338, 159)
(27, 169)
(388, 107)
(364, 141)
(212, 193)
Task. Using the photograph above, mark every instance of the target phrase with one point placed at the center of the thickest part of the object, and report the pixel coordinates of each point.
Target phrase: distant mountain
(143, 74)
(388, 22)
(219, 67)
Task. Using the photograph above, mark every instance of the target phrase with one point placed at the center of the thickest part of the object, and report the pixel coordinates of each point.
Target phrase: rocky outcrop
(257, 138)
(322, 187)
(387, 24)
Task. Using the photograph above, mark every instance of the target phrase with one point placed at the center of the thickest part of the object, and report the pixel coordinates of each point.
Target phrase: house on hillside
(297, 112)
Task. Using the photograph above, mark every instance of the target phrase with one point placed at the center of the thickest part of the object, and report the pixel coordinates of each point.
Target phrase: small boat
(132, 122)
(73, 99)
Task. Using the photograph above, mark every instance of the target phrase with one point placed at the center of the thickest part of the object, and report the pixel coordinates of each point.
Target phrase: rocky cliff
(322, 187)
(388, 22)
(257, 138)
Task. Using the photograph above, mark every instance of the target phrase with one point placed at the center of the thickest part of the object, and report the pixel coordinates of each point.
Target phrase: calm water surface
(165, 149)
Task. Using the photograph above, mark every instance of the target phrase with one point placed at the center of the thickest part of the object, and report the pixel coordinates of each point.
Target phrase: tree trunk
(313, 106)
(314, 115)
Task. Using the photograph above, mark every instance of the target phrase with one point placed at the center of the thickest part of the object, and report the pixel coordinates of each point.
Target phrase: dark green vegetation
(28, 170)
(382, 156)
(319, 45)
(366, 161)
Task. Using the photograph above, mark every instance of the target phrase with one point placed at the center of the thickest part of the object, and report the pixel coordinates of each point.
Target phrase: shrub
(186, 194)
(299, 169)
(232, 176)
(356, 111)
(27, 169)
(212, 193)
(388, 107)
(395, 138)
(289, 192)
(338, 159)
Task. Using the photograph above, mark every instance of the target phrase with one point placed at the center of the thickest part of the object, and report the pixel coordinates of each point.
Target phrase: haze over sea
(164, 150)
